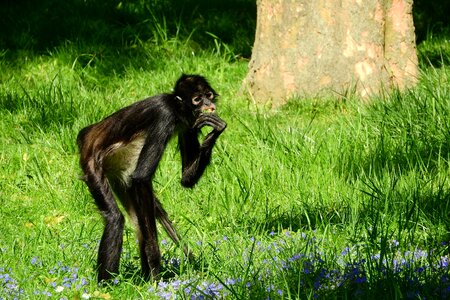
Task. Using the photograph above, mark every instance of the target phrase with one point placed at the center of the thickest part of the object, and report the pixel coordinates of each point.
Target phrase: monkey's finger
(211, 120)
(219, 126)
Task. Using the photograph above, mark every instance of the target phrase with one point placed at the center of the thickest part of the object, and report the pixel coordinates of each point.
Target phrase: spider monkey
(119, 156)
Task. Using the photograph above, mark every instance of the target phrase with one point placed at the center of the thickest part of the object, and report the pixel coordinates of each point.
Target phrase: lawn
(321, 198)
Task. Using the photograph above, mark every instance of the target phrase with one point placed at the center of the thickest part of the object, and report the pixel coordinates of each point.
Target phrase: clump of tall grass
(397, 154)
(404, 131)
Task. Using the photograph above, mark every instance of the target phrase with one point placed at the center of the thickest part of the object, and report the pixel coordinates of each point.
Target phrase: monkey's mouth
(208, 110)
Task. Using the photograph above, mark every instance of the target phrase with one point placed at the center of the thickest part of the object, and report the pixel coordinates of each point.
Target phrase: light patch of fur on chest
(122, 159)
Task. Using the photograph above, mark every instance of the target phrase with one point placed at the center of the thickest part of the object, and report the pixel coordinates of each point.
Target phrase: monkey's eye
(196, 100)
(209, 95)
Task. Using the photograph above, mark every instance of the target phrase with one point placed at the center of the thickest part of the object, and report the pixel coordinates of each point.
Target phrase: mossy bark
(317, 48)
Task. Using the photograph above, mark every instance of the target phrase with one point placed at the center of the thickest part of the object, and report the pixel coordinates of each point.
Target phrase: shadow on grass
(108, 26)
(48, 109)
(171, 267)
(303, 217)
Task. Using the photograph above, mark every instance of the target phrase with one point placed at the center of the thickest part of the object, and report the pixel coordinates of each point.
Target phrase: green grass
(324, 198)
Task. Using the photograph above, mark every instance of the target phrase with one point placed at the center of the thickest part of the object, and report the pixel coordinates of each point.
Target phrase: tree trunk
(321, 47)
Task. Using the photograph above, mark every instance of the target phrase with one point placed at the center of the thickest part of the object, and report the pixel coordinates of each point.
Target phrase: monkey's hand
(210, 119)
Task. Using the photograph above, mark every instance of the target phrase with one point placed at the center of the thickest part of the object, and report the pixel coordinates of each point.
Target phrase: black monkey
(120, 155)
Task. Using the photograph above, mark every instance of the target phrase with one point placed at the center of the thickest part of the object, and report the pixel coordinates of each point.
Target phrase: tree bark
(321, 47)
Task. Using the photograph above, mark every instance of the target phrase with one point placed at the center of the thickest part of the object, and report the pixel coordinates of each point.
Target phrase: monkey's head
(196, 94)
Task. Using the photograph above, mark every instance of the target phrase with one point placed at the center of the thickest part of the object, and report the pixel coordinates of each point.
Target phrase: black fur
(121, 153)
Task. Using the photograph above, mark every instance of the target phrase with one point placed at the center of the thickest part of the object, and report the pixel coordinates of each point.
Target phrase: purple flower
(420, 270)
(84, 281)
(345, 251)
(34, 260)
(317, 284)
(165, 295)
(162, 285)
(418, 254)
(443, 263)
(176, 284)
(297, 256)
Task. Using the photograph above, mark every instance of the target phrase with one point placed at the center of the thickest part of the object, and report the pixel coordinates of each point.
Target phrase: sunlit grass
(320, 199)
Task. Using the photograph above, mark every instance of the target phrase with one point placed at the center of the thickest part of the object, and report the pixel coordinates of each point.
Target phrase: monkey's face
(204, 102)
(196, 94)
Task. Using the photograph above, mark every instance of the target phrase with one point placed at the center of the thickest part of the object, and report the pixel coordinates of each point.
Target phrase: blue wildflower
(345, 251)
(230, 281)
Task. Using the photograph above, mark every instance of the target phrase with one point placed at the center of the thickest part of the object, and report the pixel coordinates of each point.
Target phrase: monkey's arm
(195, 157)
(152, 151)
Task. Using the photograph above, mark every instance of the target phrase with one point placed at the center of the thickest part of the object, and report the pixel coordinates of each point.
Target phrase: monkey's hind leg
(143, 203)
(111, 243)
